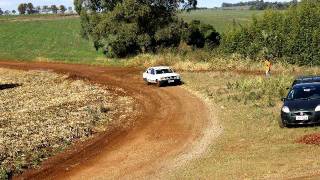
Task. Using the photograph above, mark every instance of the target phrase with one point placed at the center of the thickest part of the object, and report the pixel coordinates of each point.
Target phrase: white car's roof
(160, 67)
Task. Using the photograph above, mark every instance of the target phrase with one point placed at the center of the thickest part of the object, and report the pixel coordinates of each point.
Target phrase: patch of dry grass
(251, 146)
(201, 60)
(47, 112)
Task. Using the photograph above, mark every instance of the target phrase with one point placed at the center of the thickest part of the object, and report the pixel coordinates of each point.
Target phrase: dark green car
(302, 105)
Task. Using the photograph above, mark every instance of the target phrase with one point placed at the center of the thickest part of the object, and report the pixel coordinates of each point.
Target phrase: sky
(13, 4)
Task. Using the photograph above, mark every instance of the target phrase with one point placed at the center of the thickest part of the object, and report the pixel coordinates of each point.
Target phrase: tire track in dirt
(173, 128)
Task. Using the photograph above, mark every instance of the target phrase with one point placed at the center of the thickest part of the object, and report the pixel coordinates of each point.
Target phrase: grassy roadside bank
(251, 145)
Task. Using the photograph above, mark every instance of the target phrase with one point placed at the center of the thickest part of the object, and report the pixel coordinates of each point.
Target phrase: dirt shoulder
(170, 123)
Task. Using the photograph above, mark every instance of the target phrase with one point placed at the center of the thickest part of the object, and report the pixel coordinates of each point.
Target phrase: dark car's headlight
(317, 108)
(285, 109)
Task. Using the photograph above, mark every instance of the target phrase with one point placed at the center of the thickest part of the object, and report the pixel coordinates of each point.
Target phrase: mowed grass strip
(42, 40)
(221, 19)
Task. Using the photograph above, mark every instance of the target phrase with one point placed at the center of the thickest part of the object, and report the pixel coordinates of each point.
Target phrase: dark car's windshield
(163, 71)
(309, 80)
(308, 92)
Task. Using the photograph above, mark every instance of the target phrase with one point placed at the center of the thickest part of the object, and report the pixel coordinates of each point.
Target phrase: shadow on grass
(9, 86)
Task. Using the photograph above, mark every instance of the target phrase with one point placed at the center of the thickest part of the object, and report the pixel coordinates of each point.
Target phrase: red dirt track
(165, 135)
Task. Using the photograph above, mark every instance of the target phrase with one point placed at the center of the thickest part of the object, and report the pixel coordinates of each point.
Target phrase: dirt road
(172, 128)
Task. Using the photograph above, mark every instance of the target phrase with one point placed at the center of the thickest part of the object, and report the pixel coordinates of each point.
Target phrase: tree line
(127, 27)
(261, 5)
(29, 8)
(291, 36)
(7, 12)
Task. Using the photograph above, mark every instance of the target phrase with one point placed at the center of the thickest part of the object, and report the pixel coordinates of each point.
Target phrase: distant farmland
(49, 37)
(46, 39)
(221, 19)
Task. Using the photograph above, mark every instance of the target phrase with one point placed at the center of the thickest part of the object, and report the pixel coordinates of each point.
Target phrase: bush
(3, 173)
(169, 36)
(122, 43)
(211, 36)
(259, 91)
(200, 35)
(292, 35)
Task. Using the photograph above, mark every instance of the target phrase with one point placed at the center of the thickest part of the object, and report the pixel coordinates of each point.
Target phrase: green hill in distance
(221, 19)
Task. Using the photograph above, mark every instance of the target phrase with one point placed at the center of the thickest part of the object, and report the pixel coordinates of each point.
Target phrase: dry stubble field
(42, 112)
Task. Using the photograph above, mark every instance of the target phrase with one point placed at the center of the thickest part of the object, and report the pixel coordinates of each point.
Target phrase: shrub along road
(173, 127)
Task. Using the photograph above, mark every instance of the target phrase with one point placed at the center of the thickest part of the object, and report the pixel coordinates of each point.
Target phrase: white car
(161, 75)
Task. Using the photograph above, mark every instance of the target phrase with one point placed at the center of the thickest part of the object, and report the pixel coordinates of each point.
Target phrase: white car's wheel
(146, 81)
(159, 84)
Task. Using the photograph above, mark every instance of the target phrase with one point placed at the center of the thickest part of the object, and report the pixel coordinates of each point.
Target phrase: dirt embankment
(166, 134)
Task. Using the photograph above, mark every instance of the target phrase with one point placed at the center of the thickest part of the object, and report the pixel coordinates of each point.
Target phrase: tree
(22, 8)
(1, 12)
(292, 36)
(54, 9)
(78, 5)
(14, 12)
(30, 8)
(122, 27)
(7, 12)
(62, 9)
(38, 9)
(45, 9)
(70, 9)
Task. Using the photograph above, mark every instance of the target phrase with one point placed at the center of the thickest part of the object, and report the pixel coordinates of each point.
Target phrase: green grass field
(54, 39)
(221, 19)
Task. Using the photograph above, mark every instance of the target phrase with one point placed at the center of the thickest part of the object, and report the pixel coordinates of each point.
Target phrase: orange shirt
(267, 65)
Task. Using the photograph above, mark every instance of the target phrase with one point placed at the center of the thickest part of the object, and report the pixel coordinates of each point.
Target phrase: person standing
(267, 64)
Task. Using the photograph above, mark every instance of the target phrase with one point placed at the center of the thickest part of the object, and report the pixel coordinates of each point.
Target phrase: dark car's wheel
(282, 124)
